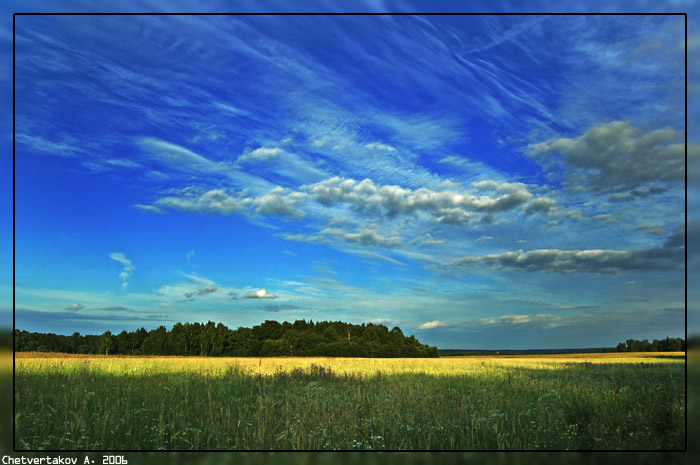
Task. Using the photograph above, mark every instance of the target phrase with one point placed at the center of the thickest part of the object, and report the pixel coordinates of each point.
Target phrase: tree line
(271, 338)
(670, 344)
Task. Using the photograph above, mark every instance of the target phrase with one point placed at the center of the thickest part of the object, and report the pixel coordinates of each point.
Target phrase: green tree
(107, 343)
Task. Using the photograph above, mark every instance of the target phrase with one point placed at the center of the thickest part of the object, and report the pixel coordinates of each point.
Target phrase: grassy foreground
(598, 401)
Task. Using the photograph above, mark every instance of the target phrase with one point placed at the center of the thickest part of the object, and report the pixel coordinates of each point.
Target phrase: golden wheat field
(582, 401)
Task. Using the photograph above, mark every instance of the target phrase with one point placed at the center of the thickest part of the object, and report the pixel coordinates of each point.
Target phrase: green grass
(467, 404)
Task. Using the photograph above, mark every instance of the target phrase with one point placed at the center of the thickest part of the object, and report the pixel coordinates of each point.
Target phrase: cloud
(208, 289)
(75, 307)
(670, 256)
(431, 324)
(213, 201)
(604, 217)
(44, 145)
(653, 229)
(277, 201)
(447, 206)
(380, 146)
(453, 160)
(384, 321)
(203, 291)
(279, 307)
(128, 267)
(616, 156)
(149, 208)
(261, 154)
(507, 319)
(542, 205)
(175, 156)
(260, 294)
(367, 236)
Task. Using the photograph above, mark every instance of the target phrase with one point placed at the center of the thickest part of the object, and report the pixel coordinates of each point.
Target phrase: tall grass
(83, 403)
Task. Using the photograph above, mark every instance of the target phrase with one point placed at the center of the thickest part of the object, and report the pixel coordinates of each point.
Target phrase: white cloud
(176, 156)
(365, 236)
(431, 324)
(128, 267)
(261, 154)
(279, 201)
(75, 307)
(213, 201)
(457, 161)
(380, 146)
(149, 208)
(260, 294)
(508, 319)
(384, 321)
(447, 206)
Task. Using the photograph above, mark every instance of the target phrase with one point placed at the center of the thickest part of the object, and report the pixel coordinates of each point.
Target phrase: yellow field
(266, 366)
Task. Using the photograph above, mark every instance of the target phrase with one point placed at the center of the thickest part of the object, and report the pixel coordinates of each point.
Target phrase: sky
(480, 181)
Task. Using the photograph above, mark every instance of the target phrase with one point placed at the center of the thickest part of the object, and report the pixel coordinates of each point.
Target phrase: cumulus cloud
(260, 294)
(367, 236)
(431, 324)
(485, 198)
(277, 201)
(543, 205)
(75, 307)
(208, 289)
(447, 206)
(128, 267)
(670, 256)
(261, 154)
(617, 157)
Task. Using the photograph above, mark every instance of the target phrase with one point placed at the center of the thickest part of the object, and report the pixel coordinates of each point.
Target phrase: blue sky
(480, 181)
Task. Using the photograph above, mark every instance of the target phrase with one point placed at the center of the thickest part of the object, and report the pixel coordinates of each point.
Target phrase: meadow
(553, 402)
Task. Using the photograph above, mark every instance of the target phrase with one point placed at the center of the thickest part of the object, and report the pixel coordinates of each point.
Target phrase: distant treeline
(453, 352)
(271, 338)
(670, 344)
(631, 345)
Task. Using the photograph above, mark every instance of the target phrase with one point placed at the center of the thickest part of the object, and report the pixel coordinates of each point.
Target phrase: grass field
(595, 401)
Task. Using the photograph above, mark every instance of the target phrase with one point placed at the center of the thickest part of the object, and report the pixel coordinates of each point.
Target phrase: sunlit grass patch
(574, 402)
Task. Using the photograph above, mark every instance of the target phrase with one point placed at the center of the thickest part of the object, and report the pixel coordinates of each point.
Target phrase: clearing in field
(591, 401)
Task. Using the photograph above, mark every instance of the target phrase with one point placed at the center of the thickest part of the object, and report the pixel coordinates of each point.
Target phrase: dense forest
(270, 338)
(670, 344)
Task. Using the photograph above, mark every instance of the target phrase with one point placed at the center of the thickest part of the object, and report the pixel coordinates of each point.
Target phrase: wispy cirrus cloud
(128, 267)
